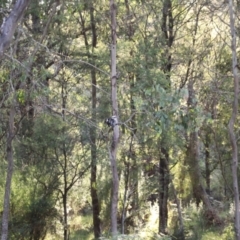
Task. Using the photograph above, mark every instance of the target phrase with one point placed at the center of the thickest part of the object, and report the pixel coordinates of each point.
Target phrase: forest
(119, 119)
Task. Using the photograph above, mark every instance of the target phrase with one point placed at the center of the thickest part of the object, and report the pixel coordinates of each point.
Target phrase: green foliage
(138, 236)
(32, 210)
(228, 233)
(197, 229)
(33, 221)
(81, 228)
(53, 60)
(21, 96)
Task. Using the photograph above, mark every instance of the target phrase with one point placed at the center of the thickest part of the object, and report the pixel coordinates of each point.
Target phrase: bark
(64, 166)
(6, 206)
(163, 190)
(199, 192)
(64, 198)
(180, 234)
(207, 162)
(93, 181)
(192, 160)
(65, 217)
(167, 30)
(232, 121)
(194, 170)
(115, 139)
(125, 195)
(132, 152)
(94, 195)
(168, 34)
(9, 25)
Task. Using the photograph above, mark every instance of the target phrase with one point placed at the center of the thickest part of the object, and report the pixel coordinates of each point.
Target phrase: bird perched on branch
(112, 121)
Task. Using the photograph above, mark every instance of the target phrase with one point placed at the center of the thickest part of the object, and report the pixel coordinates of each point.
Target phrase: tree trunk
(192, 157)
(207, 162)
(9, 25)
(125, 195)
(93, 180)
(6, 206)
(163, 190)
(65, 217)
(114, 145)
(167, 25)
(180, 232)
(192, 160)
(94, 195)
(232, 122)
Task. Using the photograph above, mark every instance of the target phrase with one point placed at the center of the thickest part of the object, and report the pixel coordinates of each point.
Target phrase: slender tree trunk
(65, 164)
(6, 206)
(125, 195)
(94, 195)
(64, 199)
(115, 140)
(132, 152)
(207, 162)
(65, 217)
(232, 121)
(180, 234)
(167, 25)
(163, 190)
(93, 180)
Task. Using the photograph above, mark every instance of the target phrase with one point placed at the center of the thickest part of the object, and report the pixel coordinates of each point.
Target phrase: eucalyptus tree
(10, 23)
(7, 30)
(115, 139)
(88, 23)
(233, 119)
